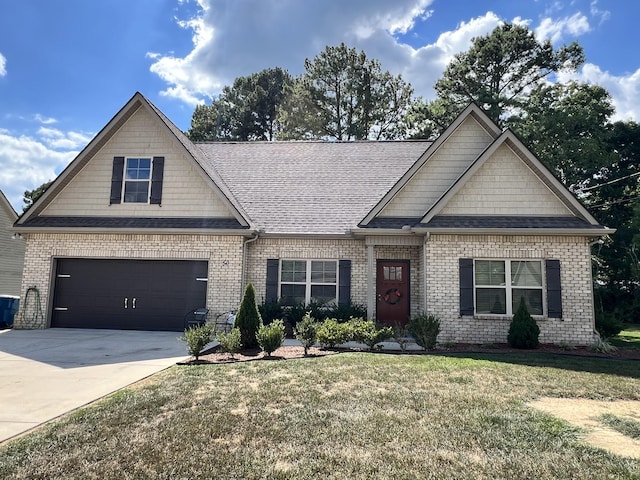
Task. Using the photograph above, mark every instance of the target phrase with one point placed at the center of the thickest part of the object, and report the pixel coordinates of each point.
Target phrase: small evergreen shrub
(230, 342)
(367, 332)
(602, 346)
(295, 313)
(306, 332)
(607, 325)
(197, 338)
(248, 318)
(523, 331)
(425, 329)
(270, 311)
(331, 333)
(270, 337)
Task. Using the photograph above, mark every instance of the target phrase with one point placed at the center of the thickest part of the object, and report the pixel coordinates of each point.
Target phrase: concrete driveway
(46, 373)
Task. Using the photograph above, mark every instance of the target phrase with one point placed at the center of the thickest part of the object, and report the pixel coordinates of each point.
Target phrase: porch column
(371, 288)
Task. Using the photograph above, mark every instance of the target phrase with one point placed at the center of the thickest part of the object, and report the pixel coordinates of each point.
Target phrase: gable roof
(7, 207)
(511, 140)
(321, 188)
(136, 102)
(472, 111)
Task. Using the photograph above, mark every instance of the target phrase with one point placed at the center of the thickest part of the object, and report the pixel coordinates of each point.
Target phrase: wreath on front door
(392, 296)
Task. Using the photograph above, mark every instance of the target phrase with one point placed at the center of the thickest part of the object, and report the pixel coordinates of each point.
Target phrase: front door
(392, 292)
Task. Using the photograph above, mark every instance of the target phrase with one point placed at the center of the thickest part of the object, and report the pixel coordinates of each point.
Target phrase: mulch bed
(214, 356)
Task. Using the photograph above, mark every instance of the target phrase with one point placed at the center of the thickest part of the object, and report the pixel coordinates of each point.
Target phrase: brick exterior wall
(224, 254)
(442, 254)
(336, 249)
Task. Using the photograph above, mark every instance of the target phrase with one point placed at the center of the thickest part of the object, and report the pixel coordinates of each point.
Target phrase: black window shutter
(344, 286)
(271, 291)
(466, 286)
(554, 289)
(156, 181)
(116, 180)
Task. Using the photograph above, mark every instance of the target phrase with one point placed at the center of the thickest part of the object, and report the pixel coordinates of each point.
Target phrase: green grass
(347, 416)
(628, 338)
(625, 426)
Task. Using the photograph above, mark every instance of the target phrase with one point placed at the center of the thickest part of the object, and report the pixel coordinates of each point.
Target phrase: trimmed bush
(331, 333)
(523, 331)
(270, 337)
(365, 331)
(305, 332)
(607, 325)
(248, 319)
(425, 329)
(197, 338)
(230, 342)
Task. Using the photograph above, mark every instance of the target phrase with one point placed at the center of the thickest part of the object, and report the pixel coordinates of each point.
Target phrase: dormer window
(137, 180)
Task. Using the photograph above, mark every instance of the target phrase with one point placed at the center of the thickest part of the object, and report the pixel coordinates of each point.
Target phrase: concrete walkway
(46, 373)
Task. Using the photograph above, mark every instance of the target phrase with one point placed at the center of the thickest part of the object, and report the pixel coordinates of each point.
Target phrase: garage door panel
(127, 294)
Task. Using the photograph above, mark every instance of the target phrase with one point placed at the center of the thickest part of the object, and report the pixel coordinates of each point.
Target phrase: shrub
(197, 338)
(425, 329)
(523, 331)
(295, 313)
(602, 346)
(270, 311)
(270, 337)
(346, 311)
(331, 333)
(230, 342)
(607, 325)
(248, 318)
(306, 332)
(400, 333)
(365, 331)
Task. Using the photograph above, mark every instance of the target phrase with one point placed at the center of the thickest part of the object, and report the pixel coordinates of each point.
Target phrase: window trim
(308, 283)
(125, 180)
(508, 287)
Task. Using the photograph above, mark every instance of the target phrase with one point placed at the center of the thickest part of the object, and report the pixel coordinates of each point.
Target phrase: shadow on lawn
(623, 367)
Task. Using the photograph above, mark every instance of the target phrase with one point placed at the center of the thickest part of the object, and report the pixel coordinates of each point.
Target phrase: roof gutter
(135, 231)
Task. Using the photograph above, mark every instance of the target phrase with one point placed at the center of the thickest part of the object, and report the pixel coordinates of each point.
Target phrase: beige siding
(442, 256)
(224, 254)
(504, 185)
(440, 172)
(185, 192)
(11, 255)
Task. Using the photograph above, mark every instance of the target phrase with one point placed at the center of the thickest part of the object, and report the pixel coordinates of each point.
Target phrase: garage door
(127, 294)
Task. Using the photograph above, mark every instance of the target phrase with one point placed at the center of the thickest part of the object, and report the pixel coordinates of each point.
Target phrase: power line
(610, 182)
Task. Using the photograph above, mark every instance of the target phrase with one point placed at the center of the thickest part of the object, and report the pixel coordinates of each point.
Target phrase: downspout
(244, 260)
(424, 271)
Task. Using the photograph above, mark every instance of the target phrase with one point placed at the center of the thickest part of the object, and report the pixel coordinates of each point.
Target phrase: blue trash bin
(8, 307)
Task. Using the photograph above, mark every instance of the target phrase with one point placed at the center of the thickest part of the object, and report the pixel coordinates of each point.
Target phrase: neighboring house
(144, 226)
(11, 251)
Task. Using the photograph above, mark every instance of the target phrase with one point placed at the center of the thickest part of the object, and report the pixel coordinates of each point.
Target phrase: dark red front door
(392, 292)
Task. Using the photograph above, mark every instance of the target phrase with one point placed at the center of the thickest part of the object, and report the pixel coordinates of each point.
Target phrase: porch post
(371, 288)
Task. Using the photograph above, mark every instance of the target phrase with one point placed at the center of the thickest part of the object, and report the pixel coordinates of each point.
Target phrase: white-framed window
(306, 281)
(499, 285)
(137, 180)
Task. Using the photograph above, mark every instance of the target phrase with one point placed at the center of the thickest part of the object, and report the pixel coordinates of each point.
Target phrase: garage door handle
(134, 302)
(125, 302)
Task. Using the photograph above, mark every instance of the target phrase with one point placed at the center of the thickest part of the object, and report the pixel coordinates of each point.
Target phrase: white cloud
(59, 140)
(556, 29)
(624, 89)
(44, 120)
(232, 39)
(26, 163)
(3, 65)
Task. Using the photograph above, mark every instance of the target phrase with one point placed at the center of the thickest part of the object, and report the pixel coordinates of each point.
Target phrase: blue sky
(67, 66)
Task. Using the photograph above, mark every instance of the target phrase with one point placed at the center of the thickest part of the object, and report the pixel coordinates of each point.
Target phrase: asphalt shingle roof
(310, 187)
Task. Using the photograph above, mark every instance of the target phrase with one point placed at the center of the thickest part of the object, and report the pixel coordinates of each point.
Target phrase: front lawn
(346, 416)
(628, 338)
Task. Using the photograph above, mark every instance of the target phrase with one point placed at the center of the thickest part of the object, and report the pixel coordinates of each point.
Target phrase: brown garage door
(127, 294)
